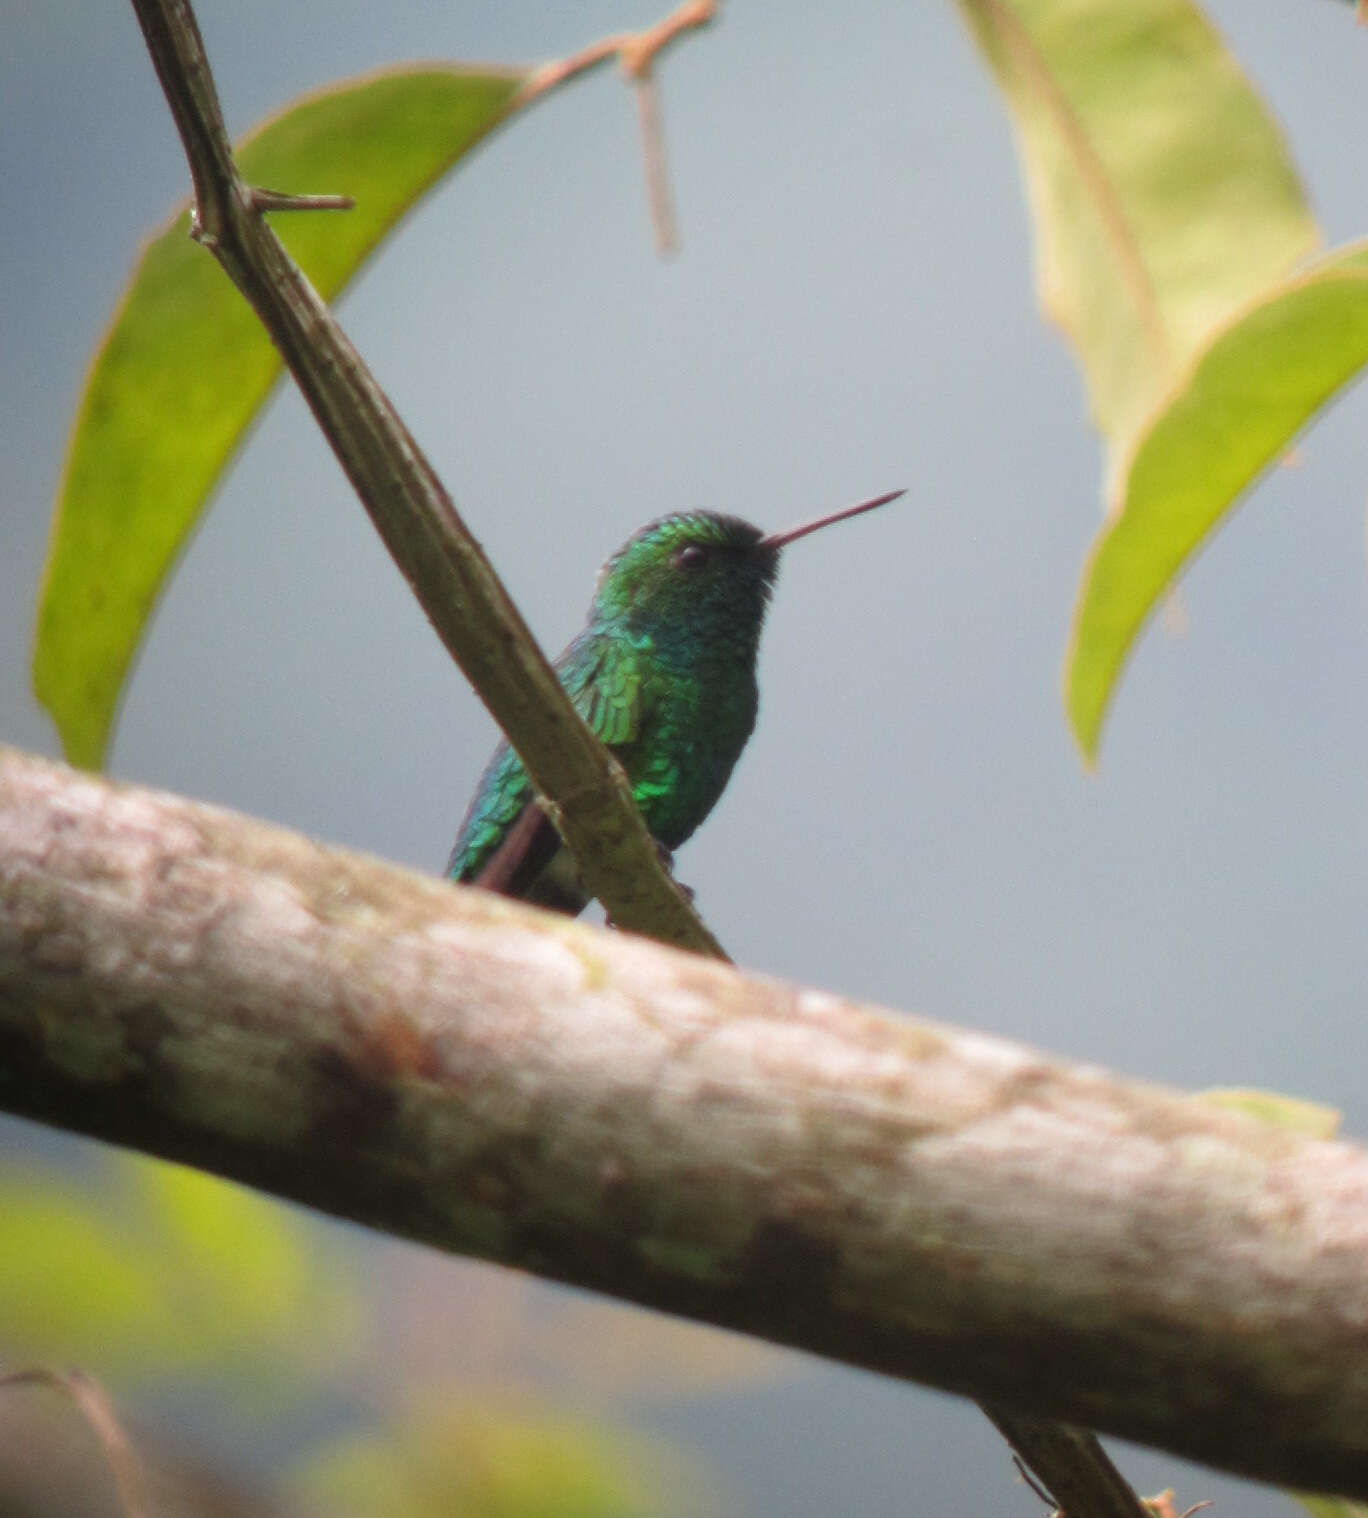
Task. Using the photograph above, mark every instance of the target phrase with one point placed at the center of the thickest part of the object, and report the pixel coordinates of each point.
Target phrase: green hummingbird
(664, 674)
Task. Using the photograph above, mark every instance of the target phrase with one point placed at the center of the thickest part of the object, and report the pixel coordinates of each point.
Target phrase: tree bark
(600, 1110)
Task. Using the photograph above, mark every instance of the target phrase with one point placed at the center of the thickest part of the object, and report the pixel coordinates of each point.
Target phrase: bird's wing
(609, 685)
(501, 797)
(604, 679)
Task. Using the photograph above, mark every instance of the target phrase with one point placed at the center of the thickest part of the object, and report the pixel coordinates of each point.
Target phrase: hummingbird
(664, 674)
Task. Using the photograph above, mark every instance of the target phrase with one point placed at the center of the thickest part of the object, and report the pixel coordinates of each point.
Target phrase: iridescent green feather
(504, 790)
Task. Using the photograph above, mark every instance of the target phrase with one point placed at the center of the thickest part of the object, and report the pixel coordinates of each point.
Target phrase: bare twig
(640, 52)
(278, 200)
(638, 58)
(96, 1408)
(473, 614)
(1162, 1505)
(463, 1070)
(636, 53)
(657, 174)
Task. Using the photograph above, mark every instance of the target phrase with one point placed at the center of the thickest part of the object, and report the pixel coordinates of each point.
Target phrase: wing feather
(507, 843)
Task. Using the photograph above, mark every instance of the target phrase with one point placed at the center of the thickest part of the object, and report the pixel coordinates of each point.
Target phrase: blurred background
(851, 310)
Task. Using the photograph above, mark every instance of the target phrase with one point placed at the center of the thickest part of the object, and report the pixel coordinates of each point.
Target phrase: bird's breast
(698, 725)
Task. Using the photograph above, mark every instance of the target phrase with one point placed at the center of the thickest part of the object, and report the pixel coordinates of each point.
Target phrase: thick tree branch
(464, 599)
(592, 1107)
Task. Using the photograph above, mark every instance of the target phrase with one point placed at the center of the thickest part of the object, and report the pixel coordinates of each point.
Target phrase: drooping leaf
(1260, 381)
(1161, 193)
(185, 366)
(1167, 217)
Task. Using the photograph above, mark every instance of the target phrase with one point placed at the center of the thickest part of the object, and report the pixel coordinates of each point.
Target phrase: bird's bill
(777, 540)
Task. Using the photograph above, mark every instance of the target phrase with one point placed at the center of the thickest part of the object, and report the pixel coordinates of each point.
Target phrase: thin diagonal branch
(600, 1110)
(589, 797)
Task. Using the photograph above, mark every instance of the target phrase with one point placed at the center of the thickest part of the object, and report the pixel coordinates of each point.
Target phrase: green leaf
(1252, 389)
(69, 1278)
(245, 1277)
(1162, 195)
(146, 1269)
(185, 367)
(464, 1459)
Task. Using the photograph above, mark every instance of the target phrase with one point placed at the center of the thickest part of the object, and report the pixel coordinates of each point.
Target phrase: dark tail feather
(519, 867)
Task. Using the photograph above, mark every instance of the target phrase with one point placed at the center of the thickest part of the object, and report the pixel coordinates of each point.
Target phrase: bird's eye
(691, 556)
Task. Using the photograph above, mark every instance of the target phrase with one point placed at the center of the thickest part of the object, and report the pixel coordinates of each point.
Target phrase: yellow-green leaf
(185, 367)
(246, 1273)
(1162, 195)
(73, 1284)
(144, 1269)
(463, 1459)
(1252, 389)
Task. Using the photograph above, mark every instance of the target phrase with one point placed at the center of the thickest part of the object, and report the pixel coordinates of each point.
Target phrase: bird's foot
(667, 862)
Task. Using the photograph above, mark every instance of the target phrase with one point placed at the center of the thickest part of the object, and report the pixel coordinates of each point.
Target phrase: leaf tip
(1085, 704)
(84, 736)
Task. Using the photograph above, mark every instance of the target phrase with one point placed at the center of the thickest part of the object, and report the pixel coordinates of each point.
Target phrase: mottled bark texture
(597, 1109)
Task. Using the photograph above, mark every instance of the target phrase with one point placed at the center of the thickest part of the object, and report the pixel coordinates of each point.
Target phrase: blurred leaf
(146, 1269)
(70, 1278)
(186, 367)
(248, 1276)
(1161, 193)
(1329, 1507)
(470, 1461)
(1313, 1119)
(1254, 387)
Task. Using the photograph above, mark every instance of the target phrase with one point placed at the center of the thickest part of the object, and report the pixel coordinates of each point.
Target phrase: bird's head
(698, 575)
(690, 575)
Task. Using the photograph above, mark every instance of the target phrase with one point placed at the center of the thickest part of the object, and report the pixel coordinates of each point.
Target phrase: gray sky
(852, 311)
